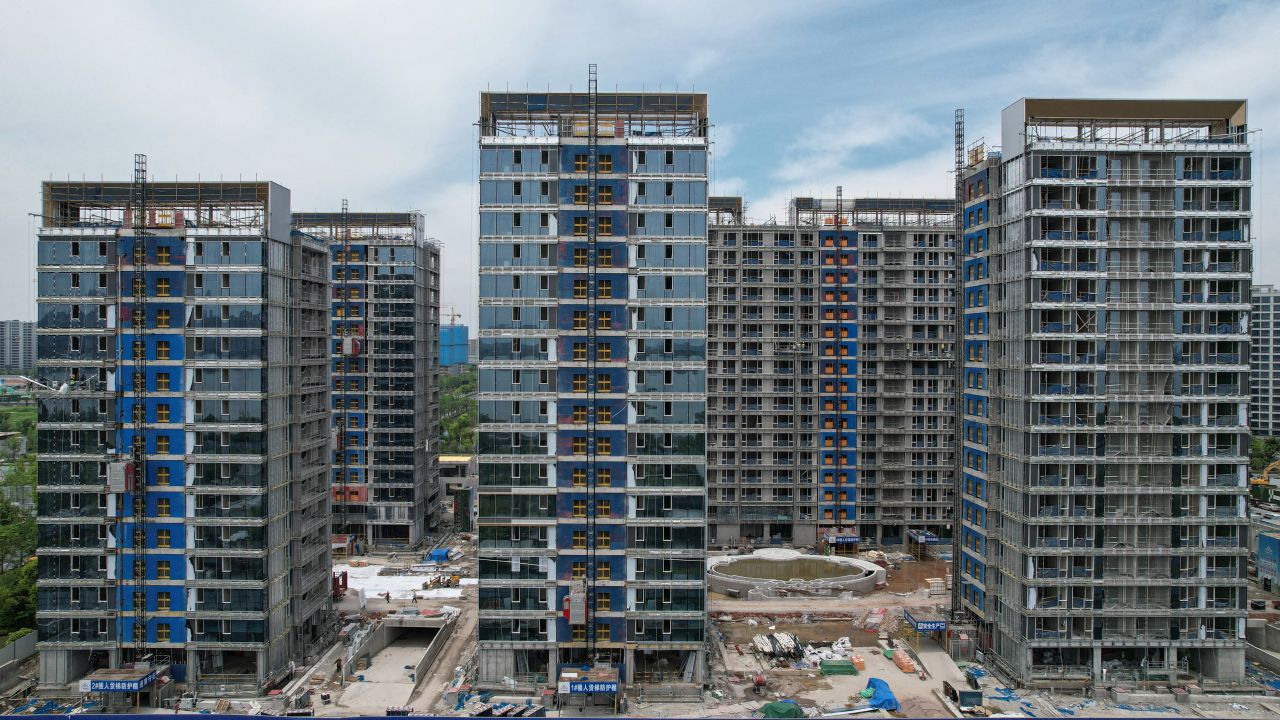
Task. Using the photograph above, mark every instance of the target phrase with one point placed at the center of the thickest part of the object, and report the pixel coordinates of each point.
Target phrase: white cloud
(834, 141)
(924, 175)
(728, 186)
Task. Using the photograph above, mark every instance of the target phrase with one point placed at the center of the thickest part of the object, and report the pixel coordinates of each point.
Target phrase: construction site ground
(386, 681)
(735, 622)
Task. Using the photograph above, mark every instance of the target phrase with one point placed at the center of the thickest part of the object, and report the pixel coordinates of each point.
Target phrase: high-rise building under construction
(830, 402)
(592, 338)
(385, 344)
(184, 442)
(1106, 271)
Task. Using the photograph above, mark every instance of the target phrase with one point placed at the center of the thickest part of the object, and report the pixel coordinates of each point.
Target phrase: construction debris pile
(784, 650)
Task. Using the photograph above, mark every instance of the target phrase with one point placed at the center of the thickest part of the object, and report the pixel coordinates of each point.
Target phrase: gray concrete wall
(434, 649)
(493, 665)
(11, 658)
(1271, 636)
(1266, 658)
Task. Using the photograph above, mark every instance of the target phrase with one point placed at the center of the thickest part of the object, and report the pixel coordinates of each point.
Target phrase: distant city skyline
(805, 97)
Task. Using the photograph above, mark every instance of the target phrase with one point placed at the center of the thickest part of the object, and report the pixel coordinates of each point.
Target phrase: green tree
(1263, 451)
(18, 599)
(458, 411)
(17, 536)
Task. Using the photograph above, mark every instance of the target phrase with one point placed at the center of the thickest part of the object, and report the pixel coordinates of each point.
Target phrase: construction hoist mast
(138, 450)
(957, 367)
(593, 202)
(345, 348)
(839, 358)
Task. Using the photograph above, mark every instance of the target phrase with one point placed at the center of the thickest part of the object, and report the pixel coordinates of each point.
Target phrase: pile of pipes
(780, 645)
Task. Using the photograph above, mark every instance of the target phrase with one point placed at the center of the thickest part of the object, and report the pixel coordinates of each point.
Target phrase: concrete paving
(386, 681)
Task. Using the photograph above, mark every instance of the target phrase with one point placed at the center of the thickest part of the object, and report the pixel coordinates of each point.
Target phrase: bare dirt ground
(828, 619)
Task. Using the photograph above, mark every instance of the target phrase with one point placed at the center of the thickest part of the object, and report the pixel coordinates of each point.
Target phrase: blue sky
(376, 102)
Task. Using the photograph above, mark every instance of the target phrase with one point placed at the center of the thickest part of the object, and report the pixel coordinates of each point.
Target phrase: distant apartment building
(454, 345)
(592, 342)
(1264, 355)
(830, 378)
(182, 493)
(459, 474)
(17, 346)
(1106, 262)
(385, 345)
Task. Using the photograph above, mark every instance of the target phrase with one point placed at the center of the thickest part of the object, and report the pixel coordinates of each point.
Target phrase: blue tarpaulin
(882, 697)
(439, 556)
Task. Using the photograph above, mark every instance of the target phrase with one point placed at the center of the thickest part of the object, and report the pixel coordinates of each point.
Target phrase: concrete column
(628, 665)
(1171, 664)
(1097, 666)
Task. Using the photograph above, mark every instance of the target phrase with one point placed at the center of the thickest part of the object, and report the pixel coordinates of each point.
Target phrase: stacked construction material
(903, 661)
(783, 644)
